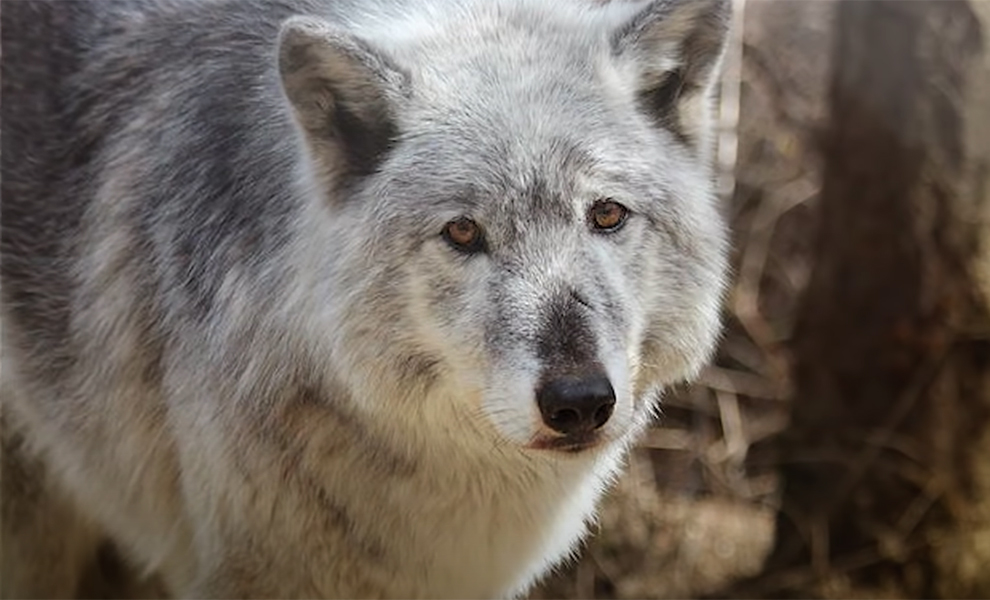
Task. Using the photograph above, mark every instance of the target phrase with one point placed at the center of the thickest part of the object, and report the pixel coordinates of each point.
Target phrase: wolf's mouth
(568, 443)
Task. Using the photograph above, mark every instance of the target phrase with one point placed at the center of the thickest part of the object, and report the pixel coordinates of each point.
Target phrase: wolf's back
(137, 171)
(108, 109)
(42, 46)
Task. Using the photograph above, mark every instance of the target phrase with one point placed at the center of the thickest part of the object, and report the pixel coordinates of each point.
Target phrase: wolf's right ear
(343, 92)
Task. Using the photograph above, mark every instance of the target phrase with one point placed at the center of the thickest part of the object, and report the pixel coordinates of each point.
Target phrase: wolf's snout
(574, 405)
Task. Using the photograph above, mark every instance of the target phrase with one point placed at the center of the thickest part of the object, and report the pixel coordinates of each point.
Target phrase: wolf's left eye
(464, 235)
(607, 216)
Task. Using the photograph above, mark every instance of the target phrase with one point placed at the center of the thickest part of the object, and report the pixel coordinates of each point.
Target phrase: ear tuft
(676, 47)
(342, 90)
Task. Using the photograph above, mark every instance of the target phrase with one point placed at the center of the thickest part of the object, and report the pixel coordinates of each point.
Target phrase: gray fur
(235, 343)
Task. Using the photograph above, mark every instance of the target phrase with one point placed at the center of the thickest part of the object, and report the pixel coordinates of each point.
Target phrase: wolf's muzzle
(576, 405)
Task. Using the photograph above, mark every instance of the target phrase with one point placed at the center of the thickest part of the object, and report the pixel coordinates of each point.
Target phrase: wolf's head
(520, 232)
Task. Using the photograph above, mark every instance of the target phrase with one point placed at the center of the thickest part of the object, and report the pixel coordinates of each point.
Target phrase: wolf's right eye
(465, 235)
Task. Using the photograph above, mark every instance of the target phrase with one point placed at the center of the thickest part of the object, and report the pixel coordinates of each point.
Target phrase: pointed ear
(675, 47)
(343, 93)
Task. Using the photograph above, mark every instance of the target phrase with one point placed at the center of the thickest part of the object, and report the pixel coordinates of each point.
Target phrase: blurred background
(839, 446)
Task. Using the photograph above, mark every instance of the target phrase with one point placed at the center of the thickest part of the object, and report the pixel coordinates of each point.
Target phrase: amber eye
(464, 235)
(607, 215)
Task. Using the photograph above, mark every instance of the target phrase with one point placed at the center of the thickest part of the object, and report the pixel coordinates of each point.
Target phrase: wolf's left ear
(675, 47)
(343, 92)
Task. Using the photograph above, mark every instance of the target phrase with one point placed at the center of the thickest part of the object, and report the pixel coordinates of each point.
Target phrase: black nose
(572, 405)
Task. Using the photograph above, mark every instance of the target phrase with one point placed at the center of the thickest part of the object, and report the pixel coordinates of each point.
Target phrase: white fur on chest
(477, 518)
(497, 533)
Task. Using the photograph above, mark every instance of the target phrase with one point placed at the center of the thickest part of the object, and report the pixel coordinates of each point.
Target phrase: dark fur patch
(660, 103)
(565, 340)
(367, 138)
(580, 299)
(44, 195)
(422, 370)
(542, 200)
(308, 404)
(337, 516)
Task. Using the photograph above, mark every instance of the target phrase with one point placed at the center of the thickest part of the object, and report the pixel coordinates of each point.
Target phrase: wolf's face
(528, 210)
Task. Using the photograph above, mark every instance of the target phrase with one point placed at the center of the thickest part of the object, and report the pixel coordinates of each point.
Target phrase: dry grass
(655, 545)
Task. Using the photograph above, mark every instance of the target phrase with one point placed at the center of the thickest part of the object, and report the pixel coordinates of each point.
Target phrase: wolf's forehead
(512, 66)
(470, 166)
(436, 27)
(534, 100)
(500, 43)
(511, 142)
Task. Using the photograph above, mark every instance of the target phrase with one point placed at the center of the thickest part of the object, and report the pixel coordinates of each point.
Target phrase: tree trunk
(887, 462)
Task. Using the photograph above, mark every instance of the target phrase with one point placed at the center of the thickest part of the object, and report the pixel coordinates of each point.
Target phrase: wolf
(343, 298)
